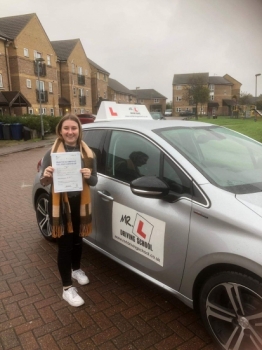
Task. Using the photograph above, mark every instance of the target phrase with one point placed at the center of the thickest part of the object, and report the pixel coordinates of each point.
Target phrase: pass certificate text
(67, 176)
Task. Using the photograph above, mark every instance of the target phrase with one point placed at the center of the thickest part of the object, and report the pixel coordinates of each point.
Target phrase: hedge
(33, 122)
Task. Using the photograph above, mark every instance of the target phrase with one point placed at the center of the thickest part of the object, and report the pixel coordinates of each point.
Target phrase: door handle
(105, 195)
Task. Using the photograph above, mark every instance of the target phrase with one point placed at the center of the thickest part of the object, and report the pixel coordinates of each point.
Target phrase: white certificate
(67, 176)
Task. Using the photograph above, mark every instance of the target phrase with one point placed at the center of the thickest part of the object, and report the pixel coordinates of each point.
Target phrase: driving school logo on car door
(139, 232)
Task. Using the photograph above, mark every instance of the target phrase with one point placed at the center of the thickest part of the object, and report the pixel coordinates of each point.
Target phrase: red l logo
(140, 229)
(114, 114)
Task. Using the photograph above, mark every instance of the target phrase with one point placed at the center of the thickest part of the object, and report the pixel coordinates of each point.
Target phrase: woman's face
(70, 132)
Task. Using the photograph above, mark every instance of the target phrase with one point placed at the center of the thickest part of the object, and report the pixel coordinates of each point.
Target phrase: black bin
(26, 133)
(1, 131)
(16, 130)
(6, 131)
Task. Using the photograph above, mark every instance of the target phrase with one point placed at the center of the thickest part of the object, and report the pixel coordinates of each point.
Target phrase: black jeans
(70, 245)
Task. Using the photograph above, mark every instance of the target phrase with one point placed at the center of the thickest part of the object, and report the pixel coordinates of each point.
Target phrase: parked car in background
(186, 113)
(86, 118)
(168, 112)
(157, 115)
(180, 203)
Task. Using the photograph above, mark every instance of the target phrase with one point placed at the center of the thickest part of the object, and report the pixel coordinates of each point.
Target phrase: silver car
(180, 203)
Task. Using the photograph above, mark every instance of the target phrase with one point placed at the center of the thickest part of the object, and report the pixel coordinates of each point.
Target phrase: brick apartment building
(153, 100)
(224, 92)
(119, 93)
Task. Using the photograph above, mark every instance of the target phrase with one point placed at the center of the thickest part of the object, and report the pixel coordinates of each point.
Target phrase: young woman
(70, 212)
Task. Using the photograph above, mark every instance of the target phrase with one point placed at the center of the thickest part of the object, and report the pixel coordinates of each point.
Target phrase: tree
(169, 105)
(246, 99)
(197, 92)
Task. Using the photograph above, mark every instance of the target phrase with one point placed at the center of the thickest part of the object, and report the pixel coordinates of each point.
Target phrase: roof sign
(114, 111)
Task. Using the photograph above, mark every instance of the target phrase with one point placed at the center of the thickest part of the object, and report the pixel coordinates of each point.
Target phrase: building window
(80, 92)
(179, 87)
(178, 109)
(52, 112)
(50, 85)
(73, 68)
(179, 98)
(37, 54)
(156, 100)
(74, 91)
(212, 87)
(1, 81)
(225, 92)
(26, 52)
(43, 111)
(28, 83)
(30, 111)
(211, 96)
(48, 60)
(80, 70)
(40, 85)
(82, 111)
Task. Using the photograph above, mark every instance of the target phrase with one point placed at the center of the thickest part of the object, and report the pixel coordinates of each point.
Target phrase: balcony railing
(42, 68)
(43, 96)
(82, 100)
(81, 79)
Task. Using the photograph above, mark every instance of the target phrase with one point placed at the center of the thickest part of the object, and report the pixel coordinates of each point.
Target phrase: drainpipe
(7, 43)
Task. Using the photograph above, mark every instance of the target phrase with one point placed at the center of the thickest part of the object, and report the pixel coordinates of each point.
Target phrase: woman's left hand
(86, 173)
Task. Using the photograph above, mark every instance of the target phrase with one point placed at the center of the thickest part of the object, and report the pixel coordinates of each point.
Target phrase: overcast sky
(143, 43)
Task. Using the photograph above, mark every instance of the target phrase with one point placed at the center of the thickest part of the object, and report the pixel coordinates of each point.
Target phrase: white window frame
(212, 87)
(82, 111)
(80, 70)
(1, 80)
(179, 98)
(30, 110)
(81, 92)
(28, 83)
(40, 86)
(50, 87)
(48, 60)
(52, 112)
(43, 109)
(211, 96)
(156, 100)
(74, 91)
(37, 54)
(178, 109)
(178, 87)
(26, 52)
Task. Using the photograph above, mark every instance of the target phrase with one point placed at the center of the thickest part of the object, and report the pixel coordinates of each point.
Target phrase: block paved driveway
(121, 311)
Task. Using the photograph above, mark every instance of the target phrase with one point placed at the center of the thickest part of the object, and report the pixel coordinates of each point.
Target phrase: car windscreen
(226, 158)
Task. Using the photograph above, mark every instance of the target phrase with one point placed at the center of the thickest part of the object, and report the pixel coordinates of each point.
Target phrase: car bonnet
(252, 200)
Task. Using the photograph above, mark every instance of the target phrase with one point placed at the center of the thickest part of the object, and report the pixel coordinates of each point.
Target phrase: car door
(150, 235)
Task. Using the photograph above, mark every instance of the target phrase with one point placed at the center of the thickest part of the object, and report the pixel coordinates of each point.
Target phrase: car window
(131, 156)
(94, 139)
(177, 181)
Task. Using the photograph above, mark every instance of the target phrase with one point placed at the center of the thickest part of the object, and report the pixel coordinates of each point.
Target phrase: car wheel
(231, 309)
(42, 216)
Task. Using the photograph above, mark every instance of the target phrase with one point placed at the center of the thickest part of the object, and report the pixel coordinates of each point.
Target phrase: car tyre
(231, 308)
(42, 216)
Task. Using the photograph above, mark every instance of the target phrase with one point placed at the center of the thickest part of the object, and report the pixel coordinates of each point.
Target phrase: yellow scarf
(59, 199)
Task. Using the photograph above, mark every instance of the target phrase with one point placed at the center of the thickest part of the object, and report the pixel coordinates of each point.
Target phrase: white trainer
(72, 297)
(80, 276)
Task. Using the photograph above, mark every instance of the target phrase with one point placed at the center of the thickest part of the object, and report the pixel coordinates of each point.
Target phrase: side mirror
(149, 187)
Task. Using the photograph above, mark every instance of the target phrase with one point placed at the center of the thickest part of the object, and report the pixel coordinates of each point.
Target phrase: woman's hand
(48, 172)
(86, 173)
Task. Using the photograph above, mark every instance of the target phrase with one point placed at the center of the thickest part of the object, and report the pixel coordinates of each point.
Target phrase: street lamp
(38, 61)
(256, 75)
